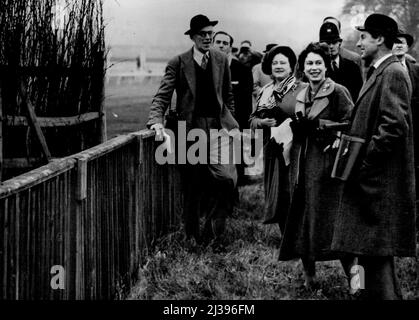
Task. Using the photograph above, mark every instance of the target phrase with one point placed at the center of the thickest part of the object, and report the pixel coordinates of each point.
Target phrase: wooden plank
(33, 123)
(52, 122)
(5, 250)
(35, 177)
(81, 179)
(1, 136)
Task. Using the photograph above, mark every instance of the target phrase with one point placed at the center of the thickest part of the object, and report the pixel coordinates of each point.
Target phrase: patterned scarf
(273, 94)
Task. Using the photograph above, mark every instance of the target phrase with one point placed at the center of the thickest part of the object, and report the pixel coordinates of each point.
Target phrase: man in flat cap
(342, 71)
(376, 218)
(205, 101)
(402, 45)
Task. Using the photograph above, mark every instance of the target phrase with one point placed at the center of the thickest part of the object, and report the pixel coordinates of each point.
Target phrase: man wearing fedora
(402, 45)
(342, 71)
(201, 79)
(376, 217)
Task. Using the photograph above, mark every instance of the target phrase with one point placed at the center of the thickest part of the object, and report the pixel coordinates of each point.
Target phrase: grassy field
(249, 268)
(127, 105)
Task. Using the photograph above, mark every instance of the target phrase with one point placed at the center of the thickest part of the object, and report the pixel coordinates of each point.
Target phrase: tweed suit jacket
(377, 210)
(180, 76)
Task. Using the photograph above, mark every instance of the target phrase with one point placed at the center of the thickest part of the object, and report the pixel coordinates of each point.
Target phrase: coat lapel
(321, 100)
(189, 70)
(370, 82)
(300, 105)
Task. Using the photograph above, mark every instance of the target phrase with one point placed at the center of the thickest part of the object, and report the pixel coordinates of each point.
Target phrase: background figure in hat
(242, 82)
(342, 71)
(260, 79)
(376, 218)
(247, 56)
(201, 78)
(400, 48)
(344, 52)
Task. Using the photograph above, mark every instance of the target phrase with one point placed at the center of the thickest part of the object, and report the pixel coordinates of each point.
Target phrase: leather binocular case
(346, 156)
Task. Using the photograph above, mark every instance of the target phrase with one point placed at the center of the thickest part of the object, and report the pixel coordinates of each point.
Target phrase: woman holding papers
(322, 108)
(275, 104)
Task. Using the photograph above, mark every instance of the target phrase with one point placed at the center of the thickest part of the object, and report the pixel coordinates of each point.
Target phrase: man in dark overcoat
(400, 48)
(343, 71)
(376, 218)
(205, 101)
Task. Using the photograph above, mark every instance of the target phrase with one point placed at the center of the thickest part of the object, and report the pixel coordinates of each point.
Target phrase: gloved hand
(303, 127)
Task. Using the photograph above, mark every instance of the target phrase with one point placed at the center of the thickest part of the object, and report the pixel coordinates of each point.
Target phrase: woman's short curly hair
(270, 55)
(321, 49)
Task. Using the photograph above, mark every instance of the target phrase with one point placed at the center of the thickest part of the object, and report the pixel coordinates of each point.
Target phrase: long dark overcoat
(377, 212)
(315, 195)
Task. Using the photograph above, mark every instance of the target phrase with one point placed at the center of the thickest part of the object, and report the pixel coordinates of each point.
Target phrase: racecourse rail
(93, 214)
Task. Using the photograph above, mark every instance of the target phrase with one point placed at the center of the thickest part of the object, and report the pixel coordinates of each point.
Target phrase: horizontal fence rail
(89, 217)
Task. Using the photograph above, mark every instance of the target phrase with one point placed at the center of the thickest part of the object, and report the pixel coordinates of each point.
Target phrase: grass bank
(249, 268)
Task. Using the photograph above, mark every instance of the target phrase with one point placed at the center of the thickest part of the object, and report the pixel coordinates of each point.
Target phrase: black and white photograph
(210, 155)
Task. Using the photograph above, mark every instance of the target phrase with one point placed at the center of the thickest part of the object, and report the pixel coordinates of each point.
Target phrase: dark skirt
(276, 184)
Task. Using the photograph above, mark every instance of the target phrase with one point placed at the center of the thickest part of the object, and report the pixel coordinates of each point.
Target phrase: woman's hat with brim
(198, 22)
(270, 55)
(381, 23)
(409, 38)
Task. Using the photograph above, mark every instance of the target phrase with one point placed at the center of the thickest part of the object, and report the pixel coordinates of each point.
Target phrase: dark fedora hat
(198, 22)
(270, 55)
(329, 32)
(269, 47)
(409, 38)
(380, 23)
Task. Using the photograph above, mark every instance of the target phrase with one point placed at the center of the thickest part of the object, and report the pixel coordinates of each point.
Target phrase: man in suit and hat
(402, 45)
(343, 71)
(205, 101)
(242, 82)
(376, 218)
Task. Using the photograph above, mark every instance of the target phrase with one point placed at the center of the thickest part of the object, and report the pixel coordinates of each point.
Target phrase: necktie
(334, 66)
(204, 61)
(370, 71)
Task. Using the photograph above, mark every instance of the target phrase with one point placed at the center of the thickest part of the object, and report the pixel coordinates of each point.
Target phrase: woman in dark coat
(315, 195)
(276, 103)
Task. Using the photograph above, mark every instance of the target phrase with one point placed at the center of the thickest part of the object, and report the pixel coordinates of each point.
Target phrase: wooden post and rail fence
(94, 214)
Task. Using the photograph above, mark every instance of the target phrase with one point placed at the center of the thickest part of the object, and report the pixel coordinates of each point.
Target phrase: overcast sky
(163, 22)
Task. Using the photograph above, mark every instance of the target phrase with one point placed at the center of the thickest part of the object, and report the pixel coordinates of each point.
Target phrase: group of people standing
(321, 96)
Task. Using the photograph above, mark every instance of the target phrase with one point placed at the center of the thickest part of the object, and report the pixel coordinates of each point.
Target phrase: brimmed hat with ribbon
(198, 22)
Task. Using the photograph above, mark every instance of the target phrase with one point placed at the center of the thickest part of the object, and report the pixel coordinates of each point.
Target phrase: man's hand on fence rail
(159, 128)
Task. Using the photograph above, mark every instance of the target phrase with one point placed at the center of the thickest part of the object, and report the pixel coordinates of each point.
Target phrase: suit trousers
(209, 186)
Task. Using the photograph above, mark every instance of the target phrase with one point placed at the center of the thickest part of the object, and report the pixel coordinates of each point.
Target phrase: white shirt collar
(197, 55)
(381, 60)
